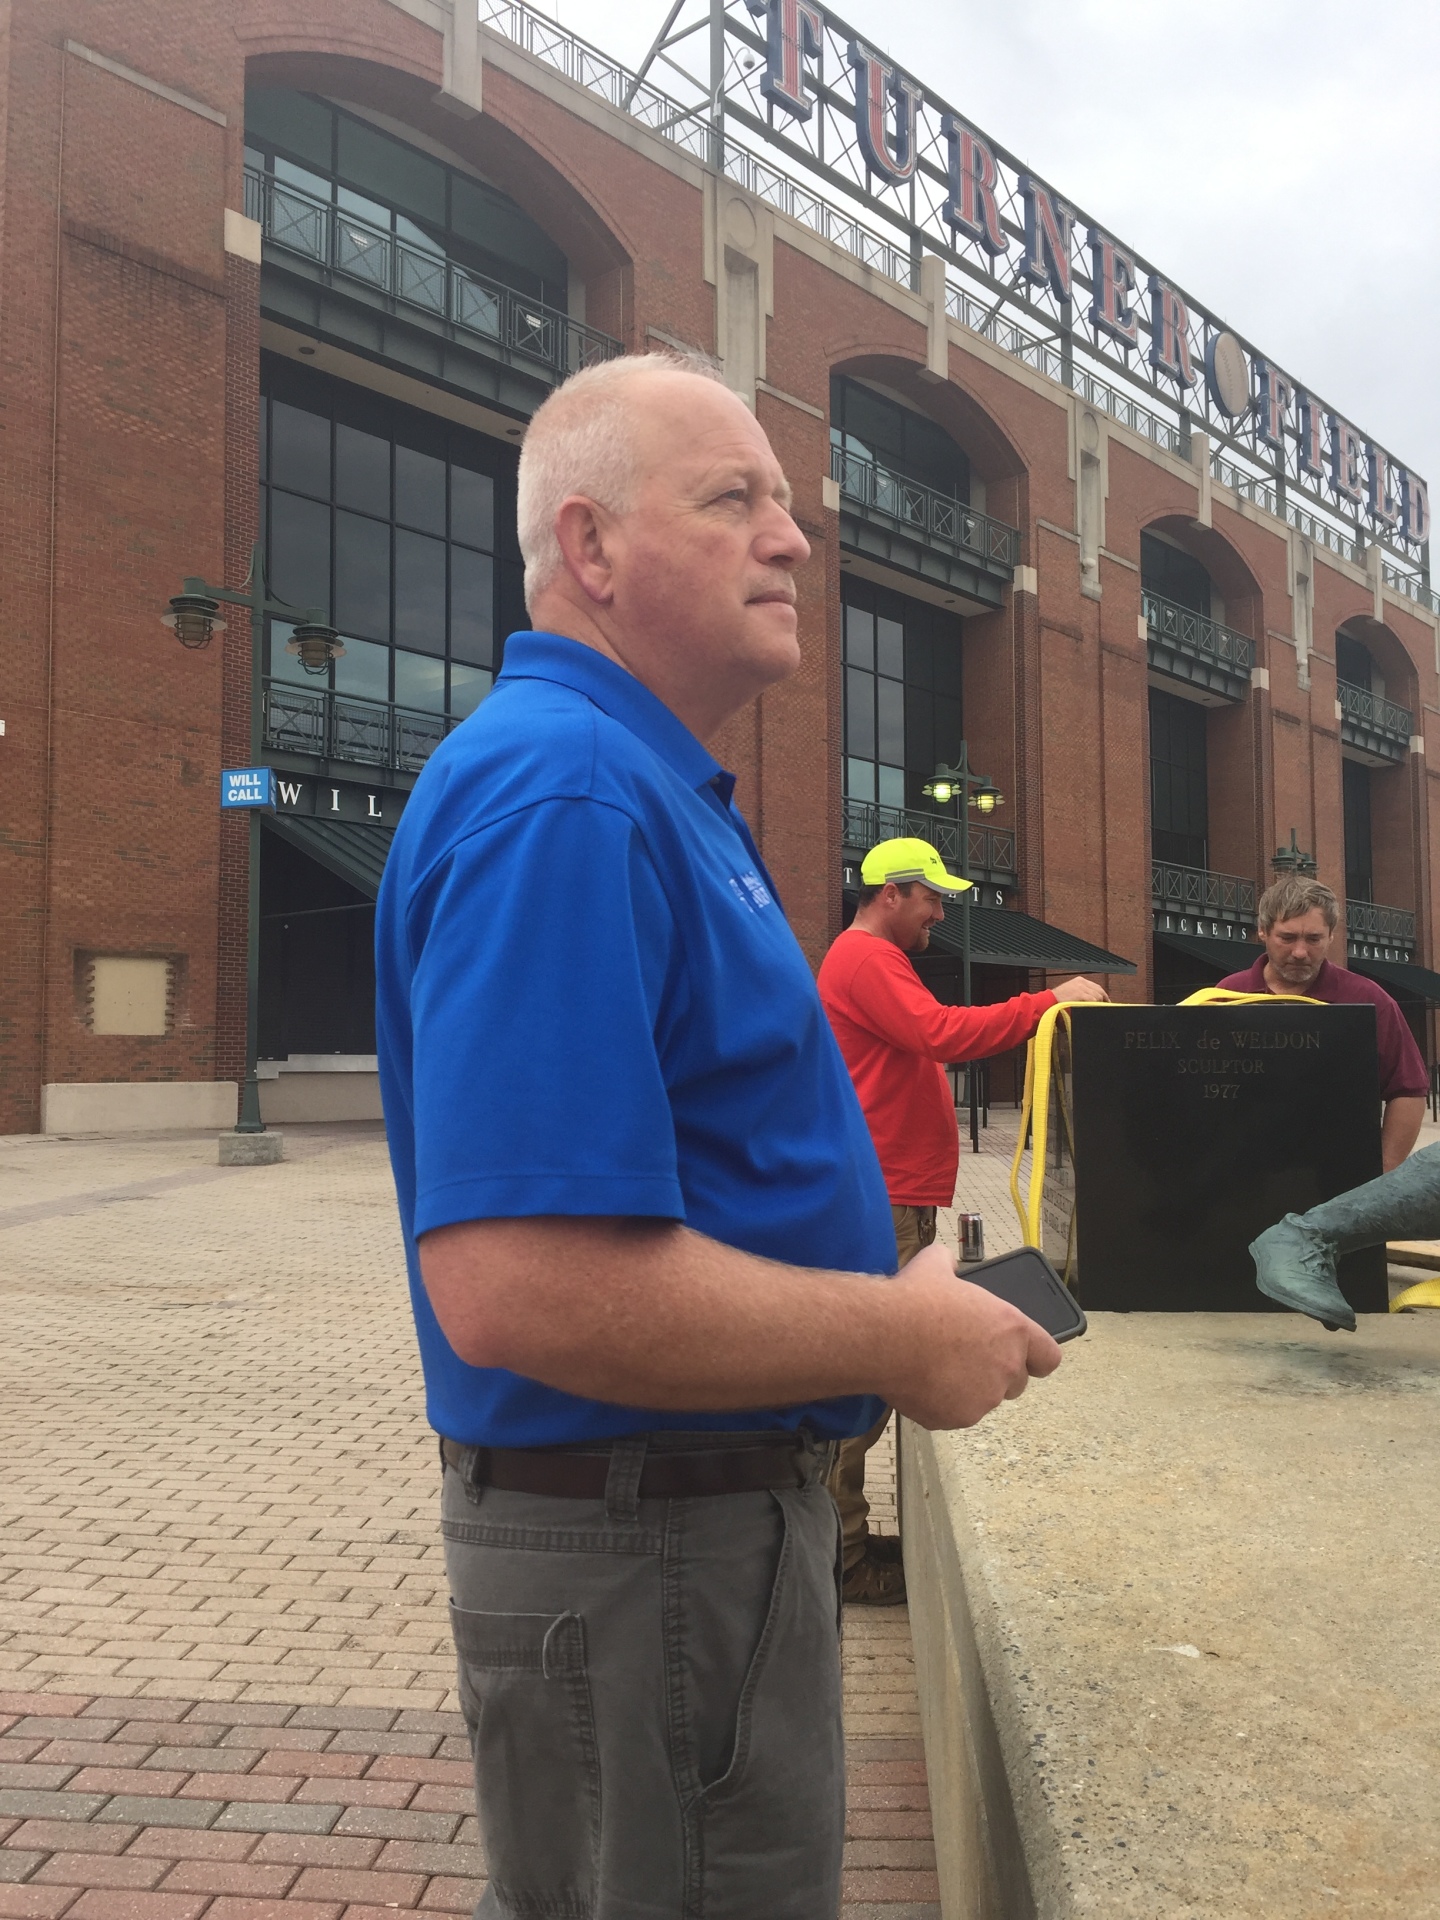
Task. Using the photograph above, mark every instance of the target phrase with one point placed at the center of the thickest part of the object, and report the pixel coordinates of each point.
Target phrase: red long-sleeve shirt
(894, 1035)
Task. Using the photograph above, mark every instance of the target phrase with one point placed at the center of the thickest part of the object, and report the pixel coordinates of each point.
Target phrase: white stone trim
(137, 1106)
(172, 94)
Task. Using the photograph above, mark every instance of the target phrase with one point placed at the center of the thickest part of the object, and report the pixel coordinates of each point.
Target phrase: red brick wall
(130, 342)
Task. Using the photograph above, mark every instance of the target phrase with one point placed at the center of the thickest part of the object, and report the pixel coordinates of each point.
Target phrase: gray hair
(1293, 898)
(580, 441)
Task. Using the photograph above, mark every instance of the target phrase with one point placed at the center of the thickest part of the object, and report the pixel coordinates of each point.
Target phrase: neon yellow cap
(901, 860)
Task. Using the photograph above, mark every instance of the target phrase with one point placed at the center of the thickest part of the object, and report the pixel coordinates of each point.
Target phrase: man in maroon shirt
(895, 1035)
(1297, 921)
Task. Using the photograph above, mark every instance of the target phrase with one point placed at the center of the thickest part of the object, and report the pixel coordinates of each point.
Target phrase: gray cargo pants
(652, 1690)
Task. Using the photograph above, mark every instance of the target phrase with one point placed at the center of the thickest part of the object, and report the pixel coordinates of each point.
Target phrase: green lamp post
(194, 618)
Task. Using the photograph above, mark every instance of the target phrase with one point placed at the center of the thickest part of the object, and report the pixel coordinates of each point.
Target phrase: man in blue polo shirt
(645, 1227)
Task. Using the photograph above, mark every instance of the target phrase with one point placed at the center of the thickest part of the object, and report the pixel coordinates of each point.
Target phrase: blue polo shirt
(589, 1002)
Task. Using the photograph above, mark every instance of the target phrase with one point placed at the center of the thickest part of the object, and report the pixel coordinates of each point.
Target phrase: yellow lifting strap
(1425, 1293)
(1035, 1107)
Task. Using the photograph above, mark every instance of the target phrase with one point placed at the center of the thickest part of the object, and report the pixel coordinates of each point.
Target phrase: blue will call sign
(247, 787)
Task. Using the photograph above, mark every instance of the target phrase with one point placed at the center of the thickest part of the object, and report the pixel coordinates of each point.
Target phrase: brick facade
(130, 338)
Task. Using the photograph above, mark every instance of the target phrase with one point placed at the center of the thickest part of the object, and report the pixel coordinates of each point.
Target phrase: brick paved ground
(225, 1670)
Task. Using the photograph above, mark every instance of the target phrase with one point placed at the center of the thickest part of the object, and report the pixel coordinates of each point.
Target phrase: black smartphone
(1028, 1281)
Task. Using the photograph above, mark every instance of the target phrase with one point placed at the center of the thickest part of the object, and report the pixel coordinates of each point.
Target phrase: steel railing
(1373, 711)
(423, 282)
(912, 507)
(1198, 894)
(991, 849)
(340, 726)
(1192, 633)
(1384, 926)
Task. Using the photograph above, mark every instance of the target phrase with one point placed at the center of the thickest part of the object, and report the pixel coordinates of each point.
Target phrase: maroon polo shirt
(1402, 1071)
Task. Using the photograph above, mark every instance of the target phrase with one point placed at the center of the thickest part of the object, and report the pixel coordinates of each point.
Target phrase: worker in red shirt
(895, 1035)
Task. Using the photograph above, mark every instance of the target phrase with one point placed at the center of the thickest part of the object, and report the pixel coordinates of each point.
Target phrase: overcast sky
(1279, 158)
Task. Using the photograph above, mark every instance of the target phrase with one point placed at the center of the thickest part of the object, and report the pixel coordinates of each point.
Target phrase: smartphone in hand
(1028, 1281)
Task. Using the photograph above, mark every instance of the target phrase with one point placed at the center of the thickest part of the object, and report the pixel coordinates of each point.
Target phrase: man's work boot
(877, 1579)
(1295, 1260)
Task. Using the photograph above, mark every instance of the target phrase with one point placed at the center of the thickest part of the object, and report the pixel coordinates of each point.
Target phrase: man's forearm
(1401, 1128)
(652, 1314)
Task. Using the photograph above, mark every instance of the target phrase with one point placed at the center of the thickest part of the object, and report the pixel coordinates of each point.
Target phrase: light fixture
(940, 790)
(985, 799)
(194, 618)
(315, 645)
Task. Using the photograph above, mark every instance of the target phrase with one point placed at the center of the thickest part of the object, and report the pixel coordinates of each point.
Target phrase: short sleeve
(541, 950)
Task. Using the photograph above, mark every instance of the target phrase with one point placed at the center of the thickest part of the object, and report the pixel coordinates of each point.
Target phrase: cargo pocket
(525, 1694)
(768, 1832)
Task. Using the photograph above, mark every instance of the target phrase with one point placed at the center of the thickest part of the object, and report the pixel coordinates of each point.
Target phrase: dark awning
(1418, 982)
(1230, 956)
(356, 853)
(1002, 939)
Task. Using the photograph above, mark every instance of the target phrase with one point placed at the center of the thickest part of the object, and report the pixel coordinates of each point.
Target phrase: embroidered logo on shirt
(750, 889)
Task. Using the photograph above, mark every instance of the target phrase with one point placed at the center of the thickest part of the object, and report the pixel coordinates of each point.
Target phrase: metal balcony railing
(1194, 893)
(1191, 633)
(1374, 714)
(912, 507)
(338, 726)
(1367, 924)
(423, 283)
(991, 849)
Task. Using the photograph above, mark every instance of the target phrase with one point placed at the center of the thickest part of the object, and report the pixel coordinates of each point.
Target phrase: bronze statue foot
(1295, 1265)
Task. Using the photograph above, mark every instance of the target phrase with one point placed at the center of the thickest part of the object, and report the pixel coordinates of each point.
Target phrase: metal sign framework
(765, 80)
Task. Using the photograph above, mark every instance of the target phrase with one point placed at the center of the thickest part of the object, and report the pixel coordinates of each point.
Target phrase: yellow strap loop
(1035, 1107)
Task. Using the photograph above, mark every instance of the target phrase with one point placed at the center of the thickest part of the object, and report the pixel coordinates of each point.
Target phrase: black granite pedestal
(1177, 1134)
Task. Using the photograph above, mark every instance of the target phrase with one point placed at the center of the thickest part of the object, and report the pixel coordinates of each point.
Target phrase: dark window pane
(860, 637)
(860, 779)
(419, 592)
(472, 508)
(362, 471)
(363, 669)
(497, 225)
(890, 707)
(419, 490)
(362, 576)
(859, 714)
(300, 450)
(1178, 799)
(299, 552)
(890, 782)
(1359, 857)
(468, 687)
(919, 655)
(371, 159)
(948, 730)
(890, 648)
(1352, 661)
(419, 682)
(290, 120)
(472, 607)
(1174, 575)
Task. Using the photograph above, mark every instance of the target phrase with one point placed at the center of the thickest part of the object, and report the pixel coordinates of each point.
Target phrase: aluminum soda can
(970, 1227)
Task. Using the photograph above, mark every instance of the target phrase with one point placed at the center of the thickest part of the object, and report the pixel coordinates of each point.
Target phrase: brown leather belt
(664, 1476)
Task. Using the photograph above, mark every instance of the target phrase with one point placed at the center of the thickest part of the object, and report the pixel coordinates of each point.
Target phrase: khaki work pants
(914, 1229)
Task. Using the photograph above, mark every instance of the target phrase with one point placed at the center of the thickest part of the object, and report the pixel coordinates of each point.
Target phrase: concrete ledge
(137, 1106)
(320, 1096)
(1174, 1634)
